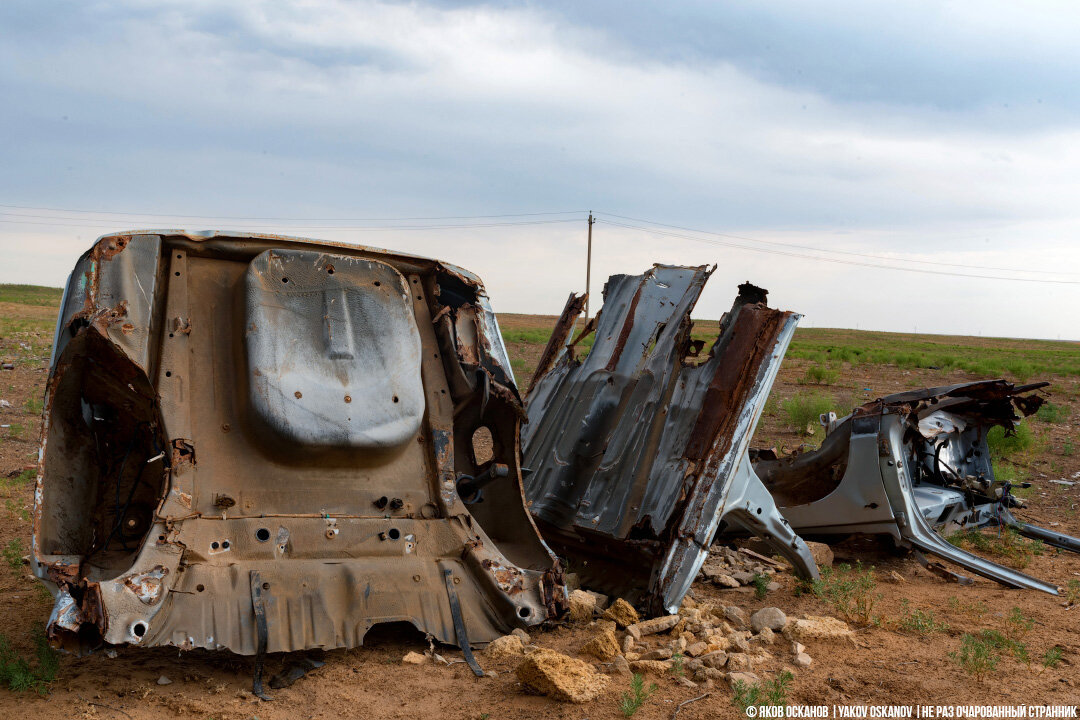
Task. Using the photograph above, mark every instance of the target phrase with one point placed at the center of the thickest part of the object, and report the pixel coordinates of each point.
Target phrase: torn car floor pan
(223, 407)
(637, 452)
(907, 463)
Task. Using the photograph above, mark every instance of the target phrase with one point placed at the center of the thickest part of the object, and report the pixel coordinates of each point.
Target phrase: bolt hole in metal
(168, 373)
(266, 586)
(262, 534)
(394, 534)
(225, 545)
(395, 398)
(524, 612)
(200, 587)
(138, 629)
(215, 545)
(377, 283)
(284, 279)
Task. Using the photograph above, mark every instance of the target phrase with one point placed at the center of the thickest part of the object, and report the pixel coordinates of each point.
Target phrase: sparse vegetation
(1007, 544)
(773, 693)
(678, 667)
(851, 591)
(820, 375)
(1072, 592)
(1051, 413)
(19, 674)
(761, 585)
(33, 405)
(919, 621)
(975, 609)
(13, 554)
(1052, 657)
(805, 408)
(632, 701)
(1017, 625)
(976, 656)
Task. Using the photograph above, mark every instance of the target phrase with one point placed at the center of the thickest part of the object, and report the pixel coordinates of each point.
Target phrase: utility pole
(588, 266)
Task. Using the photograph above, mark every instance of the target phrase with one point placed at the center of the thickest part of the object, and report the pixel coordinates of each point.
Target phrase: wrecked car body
(908, 465)
(257, 444)
(637, 453)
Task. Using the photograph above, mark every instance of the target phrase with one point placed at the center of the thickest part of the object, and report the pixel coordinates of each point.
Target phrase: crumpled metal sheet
(908, 463)
(637, 452)
(231, 416)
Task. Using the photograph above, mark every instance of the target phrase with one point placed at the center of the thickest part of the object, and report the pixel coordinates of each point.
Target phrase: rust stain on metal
(148, 586)
(575, 304)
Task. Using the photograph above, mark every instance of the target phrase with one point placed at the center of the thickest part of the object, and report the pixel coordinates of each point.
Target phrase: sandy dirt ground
(884, 665)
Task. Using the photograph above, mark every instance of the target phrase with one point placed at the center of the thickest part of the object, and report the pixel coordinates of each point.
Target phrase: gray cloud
(872, 128)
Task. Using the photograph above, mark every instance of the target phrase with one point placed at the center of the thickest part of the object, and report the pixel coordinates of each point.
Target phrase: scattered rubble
(546, 672)
(622, 612)
(507, 648)
(414, 658)
(603, 645)
(582, 606)
(815, 627)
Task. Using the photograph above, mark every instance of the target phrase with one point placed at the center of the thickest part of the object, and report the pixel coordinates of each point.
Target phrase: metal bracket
(261, 635)
(940, 570)
(459, 624)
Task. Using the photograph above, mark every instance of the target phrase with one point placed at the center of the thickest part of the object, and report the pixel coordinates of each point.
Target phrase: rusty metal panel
(638, 451)
(228, 407)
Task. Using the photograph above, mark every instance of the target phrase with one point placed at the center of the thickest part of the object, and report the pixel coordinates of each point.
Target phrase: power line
(832, 260)
(285, 219)
(828, 250)
(104, 223)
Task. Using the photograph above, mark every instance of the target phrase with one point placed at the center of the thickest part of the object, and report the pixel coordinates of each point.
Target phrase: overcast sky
(936, 136)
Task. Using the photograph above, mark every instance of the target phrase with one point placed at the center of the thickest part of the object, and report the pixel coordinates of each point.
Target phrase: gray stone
(735, 616)
(769, 617)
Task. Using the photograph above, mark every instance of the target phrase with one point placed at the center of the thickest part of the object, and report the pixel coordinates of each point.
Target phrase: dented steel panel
(223, 409)
(906, 464)
(637, 452)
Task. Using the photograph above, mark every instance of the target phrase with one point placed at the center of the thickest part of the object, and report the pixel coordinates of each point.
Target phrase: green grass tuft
(772, 693)
(820, 375)
(851, 591)
(976, 656)
(631, 701)
(805, 408)
(919, 621)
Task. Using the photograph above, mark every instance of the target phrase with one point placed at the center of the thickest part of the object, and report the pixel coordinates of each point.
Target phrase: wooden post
(588, 266)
